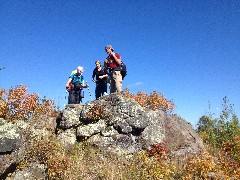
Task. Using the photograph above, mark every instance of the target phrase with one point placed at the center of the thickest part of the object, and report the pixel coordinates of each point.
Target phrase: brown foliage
(159, 152)
(97, 112)
(18, 104)
(153, 101)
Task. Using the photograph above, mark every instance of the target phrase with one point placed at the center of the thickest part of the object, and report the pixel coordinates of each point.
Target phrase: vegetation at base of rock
(222, 135)
(17, 103)
(154, 100)
(221, 160)
(97, 112)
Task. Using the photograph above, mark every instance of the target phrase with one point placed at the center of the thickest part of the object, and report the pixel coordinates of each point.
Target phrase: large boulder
(9, 137)
(121, 125)
(15, 138)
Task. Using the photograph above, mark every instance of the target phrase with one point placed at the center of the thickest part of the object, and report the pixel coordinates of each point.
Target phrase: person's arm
(103, 76)
(116, 57)
(68, 82)
(84, 85)
(105, 63)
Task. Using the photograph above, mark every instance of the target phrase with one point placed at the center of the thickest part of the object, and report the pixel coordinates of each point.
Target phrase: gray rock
(32, 171)
(67, 138)
(123, 127)
(91, 129)
(9, 136)
(130, 128)
(71, 116)
(109, 131)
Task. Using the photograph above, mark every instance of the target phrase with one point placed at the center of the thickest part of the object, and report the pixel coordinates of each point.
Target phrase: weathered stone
(91, 129)
(67, 138)
(32, 171)
(181, 137)
(129, 119)
(123, 127)
(9, 136)
(71, 116)
(109, 131)
(27, 134)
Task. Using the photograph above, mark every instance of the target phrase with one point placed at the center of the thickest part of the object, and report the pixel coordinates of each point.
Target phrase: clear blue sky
(187, 50)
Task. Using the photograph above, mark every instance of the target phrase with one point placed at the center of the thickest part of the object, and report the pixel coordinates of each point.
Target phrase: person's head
(109, 48)
(79, 69)
(98, 63)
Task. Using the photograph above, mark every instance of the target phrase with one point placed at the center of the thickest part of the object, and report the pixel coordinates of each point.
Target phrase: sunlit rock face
(124, 127)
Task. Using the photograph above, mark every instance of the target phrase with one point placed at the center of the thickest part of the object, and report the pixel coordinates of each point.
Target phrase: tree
(225, 128)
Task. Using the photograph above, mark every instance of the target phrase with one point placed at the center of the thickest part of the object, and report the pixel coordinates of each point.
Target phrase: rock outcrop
(113, 123)
(121, 125)
(15, 138)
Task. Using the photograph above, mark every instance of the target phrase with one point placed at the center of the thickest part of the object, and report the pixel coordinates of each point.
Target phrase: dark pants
(74, 97)
(100, 89)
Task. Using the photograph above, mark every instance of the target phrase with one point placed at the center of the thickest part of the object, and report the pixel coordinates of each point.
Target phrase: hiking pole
(89, 91)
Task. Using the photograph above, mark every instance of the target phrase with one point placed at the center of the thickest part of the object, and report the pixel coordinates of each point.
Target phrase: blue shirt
(76, 78)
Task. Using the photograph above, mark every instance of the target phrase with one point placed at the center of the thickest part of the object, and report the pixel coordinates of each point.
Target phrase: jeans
(101, 88)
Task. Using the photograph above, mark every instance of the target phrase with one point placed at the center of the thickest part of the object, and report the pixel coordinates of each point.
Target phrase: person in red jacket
(112, 63)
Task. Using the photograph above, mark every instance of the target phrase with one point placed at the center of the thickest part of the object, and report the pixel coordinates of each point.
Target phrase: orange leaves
(153, 101)
(18, 104)
(97, 112)
(159, 151)
(200, 166)
(57, 166)
(158, 101)
(142, 98)
(3, 103)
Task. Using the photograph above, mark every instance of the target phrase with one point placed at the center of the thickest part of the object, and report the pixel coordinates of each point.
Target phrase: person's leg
(118, 80)
(98, 91)
(77, 97)
(104, 88)
(112, 83)
(71, 98)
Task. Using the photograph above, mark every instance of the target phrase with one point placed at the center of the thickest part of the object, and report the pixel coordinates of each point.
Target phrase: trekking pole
(89, 91)
(65, 98)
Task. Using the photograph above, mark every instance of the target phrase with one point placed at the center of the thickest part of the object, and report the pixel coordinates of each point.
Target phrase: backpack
(123, 70)
(76, 81)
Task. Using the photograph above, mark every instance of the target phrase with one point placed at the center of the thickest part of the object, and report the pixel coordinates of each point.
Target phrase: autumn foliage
(16, 103)
(154, 100)
(97, 112)
(221, 160)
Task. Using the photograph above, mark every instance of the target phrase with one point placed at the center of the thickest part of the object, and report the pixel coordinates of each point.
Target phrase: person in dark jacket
(101, 75)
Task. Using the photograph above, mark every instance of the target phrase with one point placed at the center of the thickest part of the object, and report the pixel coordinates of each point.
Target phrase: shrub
(18, 104)
(97, 112)
(153, 101)
(219, 130)
(222, 136)
(159, 152)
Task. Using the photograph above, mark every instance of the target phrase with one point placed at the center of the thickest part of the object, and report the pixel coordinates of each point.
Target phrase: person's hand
(112, 53)
(93, 80)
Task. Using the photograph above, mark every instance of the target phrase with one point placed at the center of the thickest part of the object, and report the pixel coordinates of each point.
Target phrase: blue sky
(187, 50)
